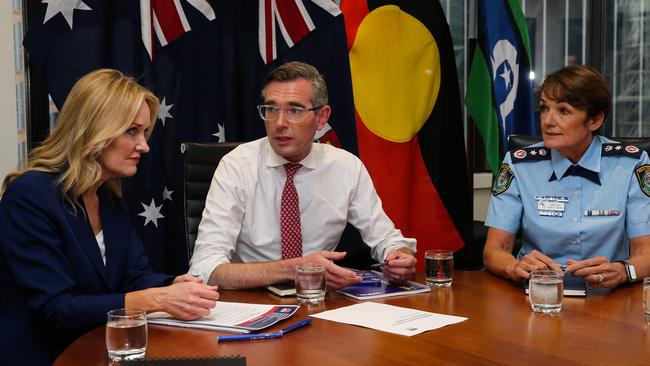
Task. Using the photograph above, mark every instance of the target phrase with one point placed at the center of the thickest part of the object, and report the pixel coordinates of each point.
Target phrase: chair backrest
(521, 141)
(200, 160)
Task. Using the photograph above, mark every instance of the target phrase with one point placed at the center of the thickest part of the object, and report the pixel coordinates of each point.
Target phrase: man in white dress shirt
(249, 237)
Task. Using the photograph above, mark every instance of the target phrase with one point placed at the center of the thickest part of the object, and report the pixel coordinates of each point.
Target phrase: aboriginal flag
(408, 117)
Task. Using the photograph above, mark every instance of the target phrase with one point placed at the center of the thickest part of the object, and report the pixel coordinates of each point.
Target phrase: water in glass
(311, 283)
(546, 290)
(126, 336)
(438, 267)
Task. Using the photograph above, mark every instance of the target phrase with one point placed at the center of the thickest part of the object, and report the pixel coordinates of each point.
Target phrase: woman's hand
(532, 261)
(187, 299)
(598, 272)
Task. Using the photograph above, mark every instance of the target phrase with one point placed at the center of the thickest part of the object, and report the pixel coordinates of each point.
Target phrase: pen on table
(299, 324)
(249, 337)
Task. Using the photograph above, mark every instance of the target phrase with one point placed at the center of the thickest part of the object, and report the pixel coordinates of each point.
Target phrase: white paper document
(389, 318)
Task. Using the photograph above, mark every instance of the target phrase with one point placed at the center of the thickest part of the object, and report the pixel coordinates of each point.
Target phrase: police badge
(503, 180)
(643, 176)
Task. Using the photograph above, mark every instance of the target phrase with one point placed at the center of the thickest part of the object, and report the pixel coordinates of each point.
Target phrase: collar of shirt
(274, 160)
(590, 160)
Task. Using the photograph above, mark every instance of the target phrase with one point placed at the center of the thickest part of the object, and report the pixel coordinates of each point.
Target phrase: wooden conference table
(501, 329)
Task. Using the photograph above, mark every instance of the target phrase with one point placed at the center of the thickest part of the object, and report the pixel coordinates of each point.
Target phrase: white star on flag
(506, 76)
(65, 7)
(167, 194)
(163, 111)
(533, 153)
(151, 213)
(220, 134)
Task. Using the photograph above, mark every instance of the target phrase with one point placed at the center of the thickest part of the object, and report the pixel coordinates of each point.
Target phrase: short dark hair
(581, 86)
(299, 70)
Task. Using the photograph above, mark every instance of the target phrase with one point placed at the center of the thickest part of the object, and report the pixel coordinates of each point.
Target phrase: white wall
(482, 186)
(8, 118)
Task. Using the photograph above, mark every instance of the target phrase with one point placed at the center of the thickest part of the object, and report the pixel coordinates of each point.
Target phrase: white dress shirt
(241, 219)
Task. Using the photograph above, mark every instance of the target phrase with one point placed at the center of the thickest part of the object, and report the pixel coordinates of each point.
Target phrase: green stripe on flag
(520, 21)
(479, 105)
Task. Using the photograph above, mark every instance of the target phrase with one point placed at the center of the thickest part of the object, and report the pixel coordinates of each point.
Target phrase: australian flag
(206, 61)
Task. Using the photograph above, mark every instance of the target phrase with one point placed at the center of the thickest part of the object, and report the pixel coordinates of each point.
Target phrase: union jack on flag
(291, 19)
(167, 20)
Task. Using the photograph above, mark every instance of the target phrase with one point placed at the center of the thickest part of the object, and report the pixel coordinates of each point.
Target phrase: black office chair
(520, 141)
(200, 160)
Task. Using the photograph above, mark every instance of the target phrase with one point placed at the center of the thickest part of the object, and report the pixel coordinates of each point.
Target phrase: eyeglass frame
(283, 110)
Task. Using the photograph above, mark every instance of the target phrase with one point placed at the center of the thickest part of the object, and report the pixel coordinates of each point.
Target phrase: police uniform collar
(588, 166)
(275, 160)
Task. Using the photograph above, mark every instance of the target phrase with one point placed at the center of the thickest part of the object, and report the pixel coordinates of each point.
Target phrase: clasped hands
(399, 266)
(598, 272)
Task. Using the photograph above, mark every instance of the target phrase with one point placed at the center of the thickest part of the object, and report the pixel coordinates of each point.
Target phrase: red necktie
(290, 216)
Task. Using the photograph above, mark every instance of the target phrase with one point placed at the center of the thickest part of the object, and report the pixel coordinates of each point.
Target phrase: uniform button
(576, 193)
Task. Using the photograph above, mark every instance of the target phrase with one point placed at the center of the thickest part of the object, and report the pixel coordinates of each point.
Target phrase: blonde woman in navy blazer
(67, 251)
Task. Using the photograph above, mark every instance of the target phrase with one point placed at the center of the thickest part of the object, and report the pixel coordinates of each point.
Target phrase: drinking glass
(438, 267)
(646, 297)
(126, 334)
(546, 290)
(311, 283)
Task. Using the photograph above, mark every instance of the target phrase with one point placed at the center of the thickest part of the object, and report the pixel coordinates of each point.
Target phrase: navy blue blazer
(54, 286)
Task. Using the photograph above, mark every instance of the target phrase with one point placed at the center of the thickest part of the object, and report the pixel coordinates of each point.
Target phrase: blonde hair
(100, 107)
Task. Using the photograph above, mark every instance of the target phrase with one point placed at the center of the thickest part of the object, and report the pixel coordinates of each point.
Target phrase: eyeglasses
(292, 114)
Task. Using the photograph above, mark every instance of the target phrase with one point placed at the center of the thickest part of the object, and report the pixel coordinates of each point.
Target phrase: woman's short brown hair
(582, 87)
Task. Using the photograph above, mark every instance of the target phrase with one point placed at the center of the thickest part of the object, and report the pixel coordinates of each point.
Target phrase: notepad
(573, 286)
(282, 289)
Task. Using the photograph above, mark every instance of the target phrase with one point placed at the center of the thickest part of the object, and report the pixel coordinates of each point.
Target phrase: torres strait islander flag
(408, 117)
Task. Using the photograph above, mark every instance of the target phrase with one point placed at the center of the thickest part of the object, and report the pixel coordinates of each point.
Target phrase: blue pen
(299, 324)
(249, 337)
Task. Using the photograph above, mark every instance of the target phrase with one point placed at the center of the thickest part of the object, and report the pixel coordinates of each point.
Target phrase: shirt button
(576, 193)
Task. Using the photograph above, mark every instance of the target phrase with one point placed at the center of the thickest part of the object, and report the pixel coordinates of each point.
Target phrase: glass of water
(438, 267)
(545, 291)
(311, 283)
(126, 334)
(646, 297)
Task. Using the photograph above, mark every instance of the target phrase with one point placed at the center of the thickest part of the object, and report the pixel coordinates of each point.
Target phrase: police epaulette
(530, 154)
(620, 150)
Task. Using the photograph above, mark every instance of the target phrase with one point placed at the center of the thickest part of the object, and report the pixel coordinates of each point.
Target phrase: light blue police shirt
(570, 216)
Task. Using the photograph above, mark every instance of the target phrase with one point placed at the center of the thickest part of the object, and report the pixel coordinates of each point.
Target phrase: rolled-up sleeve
(221, 221)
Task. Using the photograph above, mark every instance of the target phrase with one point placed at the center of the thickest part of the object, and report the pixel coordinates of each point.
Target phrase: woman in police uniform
(581, 199)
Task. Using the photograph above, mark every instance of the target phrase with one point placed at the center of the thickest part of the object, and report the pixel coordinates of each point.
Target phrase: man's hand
(400, 265)
(532, 261)
(598, 272)
(337, 277)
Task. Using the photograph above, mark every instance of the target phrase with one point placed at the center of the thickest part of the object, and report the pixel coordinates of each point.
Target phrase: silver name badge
(544, 205)
(551, 213)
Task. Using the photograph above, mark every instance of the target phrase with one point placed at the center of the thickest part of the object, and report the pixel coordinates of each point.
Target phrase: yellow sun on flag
(395, 68)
